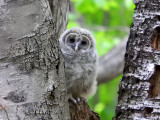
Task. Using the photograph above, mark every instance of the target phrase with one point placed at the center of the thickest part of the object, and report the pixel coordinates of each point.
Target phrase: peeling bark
(32, 85)
(139, 92)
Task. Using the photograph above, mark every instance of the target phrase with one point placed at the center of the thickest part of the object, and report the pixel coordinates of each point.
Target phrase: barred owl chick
(80, 57)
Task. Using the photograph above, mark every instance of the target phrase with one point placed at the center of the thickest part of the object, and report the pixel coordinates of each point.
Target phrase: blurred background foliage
(109, 21)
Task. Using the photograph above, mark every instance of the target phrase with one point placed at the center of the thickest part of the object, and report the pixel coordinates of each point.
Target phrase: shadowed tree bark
(139, 92)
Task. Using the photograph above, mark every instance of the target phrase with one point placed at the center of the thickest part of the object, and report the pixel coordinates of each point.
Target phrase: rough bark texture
(81, 111)
(112, 63)
(139, 92)
(32, 85)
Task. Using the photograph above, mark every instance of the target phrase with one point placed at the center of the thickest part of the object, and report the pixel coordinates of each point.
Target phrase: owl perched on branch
(80, 57)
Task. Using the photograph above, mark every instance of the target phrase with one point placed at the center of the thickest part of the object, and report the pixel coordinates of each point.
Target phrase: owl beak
(76, 48)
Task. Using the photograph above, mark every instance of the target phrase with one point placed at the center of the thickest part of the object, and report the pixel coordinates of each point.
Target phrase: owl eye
(71, 40)
(83, 42)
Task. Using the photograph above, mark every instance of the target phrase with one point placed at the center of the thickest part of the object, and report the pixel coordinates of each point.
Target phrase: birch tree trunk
(32, 85)
(139, 92)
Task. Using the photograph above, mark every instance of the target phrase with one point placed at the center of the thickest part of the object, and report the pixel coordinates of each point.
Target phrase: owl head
(77, 40)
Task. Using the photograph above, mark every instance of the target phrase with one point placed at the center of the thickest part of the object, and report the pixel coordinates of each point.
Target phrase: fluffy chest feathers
(78, 70)
(79, 77)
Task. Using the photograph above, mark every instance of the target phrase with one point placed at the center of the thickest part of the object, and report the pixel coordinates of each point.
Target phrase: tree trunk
(32, 85)
(139, 92)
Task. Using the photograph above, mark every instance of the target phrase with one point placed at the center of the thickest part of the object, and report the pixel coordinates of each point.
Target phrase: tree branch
(111, 64)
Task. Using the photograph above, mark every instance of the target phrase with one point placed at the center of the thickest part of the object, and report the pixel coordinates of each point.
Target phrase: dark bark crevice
(154, 90)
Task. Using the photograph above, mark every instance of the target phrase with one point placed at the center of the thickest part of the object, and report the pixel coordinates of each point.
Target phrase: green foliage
(105, 100)
(109, 21)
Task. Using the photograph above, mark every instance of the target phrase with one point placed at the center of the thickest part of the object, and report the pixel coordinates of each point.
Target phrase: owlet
(80, 57)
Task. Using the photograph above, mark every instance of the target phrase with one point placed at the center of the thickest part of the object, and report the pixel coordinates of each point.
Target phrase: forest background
(109, 21)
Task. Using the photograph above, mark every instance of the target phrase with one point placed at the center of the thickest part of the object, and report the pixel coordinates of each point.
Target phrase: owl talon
(83, 99)
(71, 99)
(78, 100)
